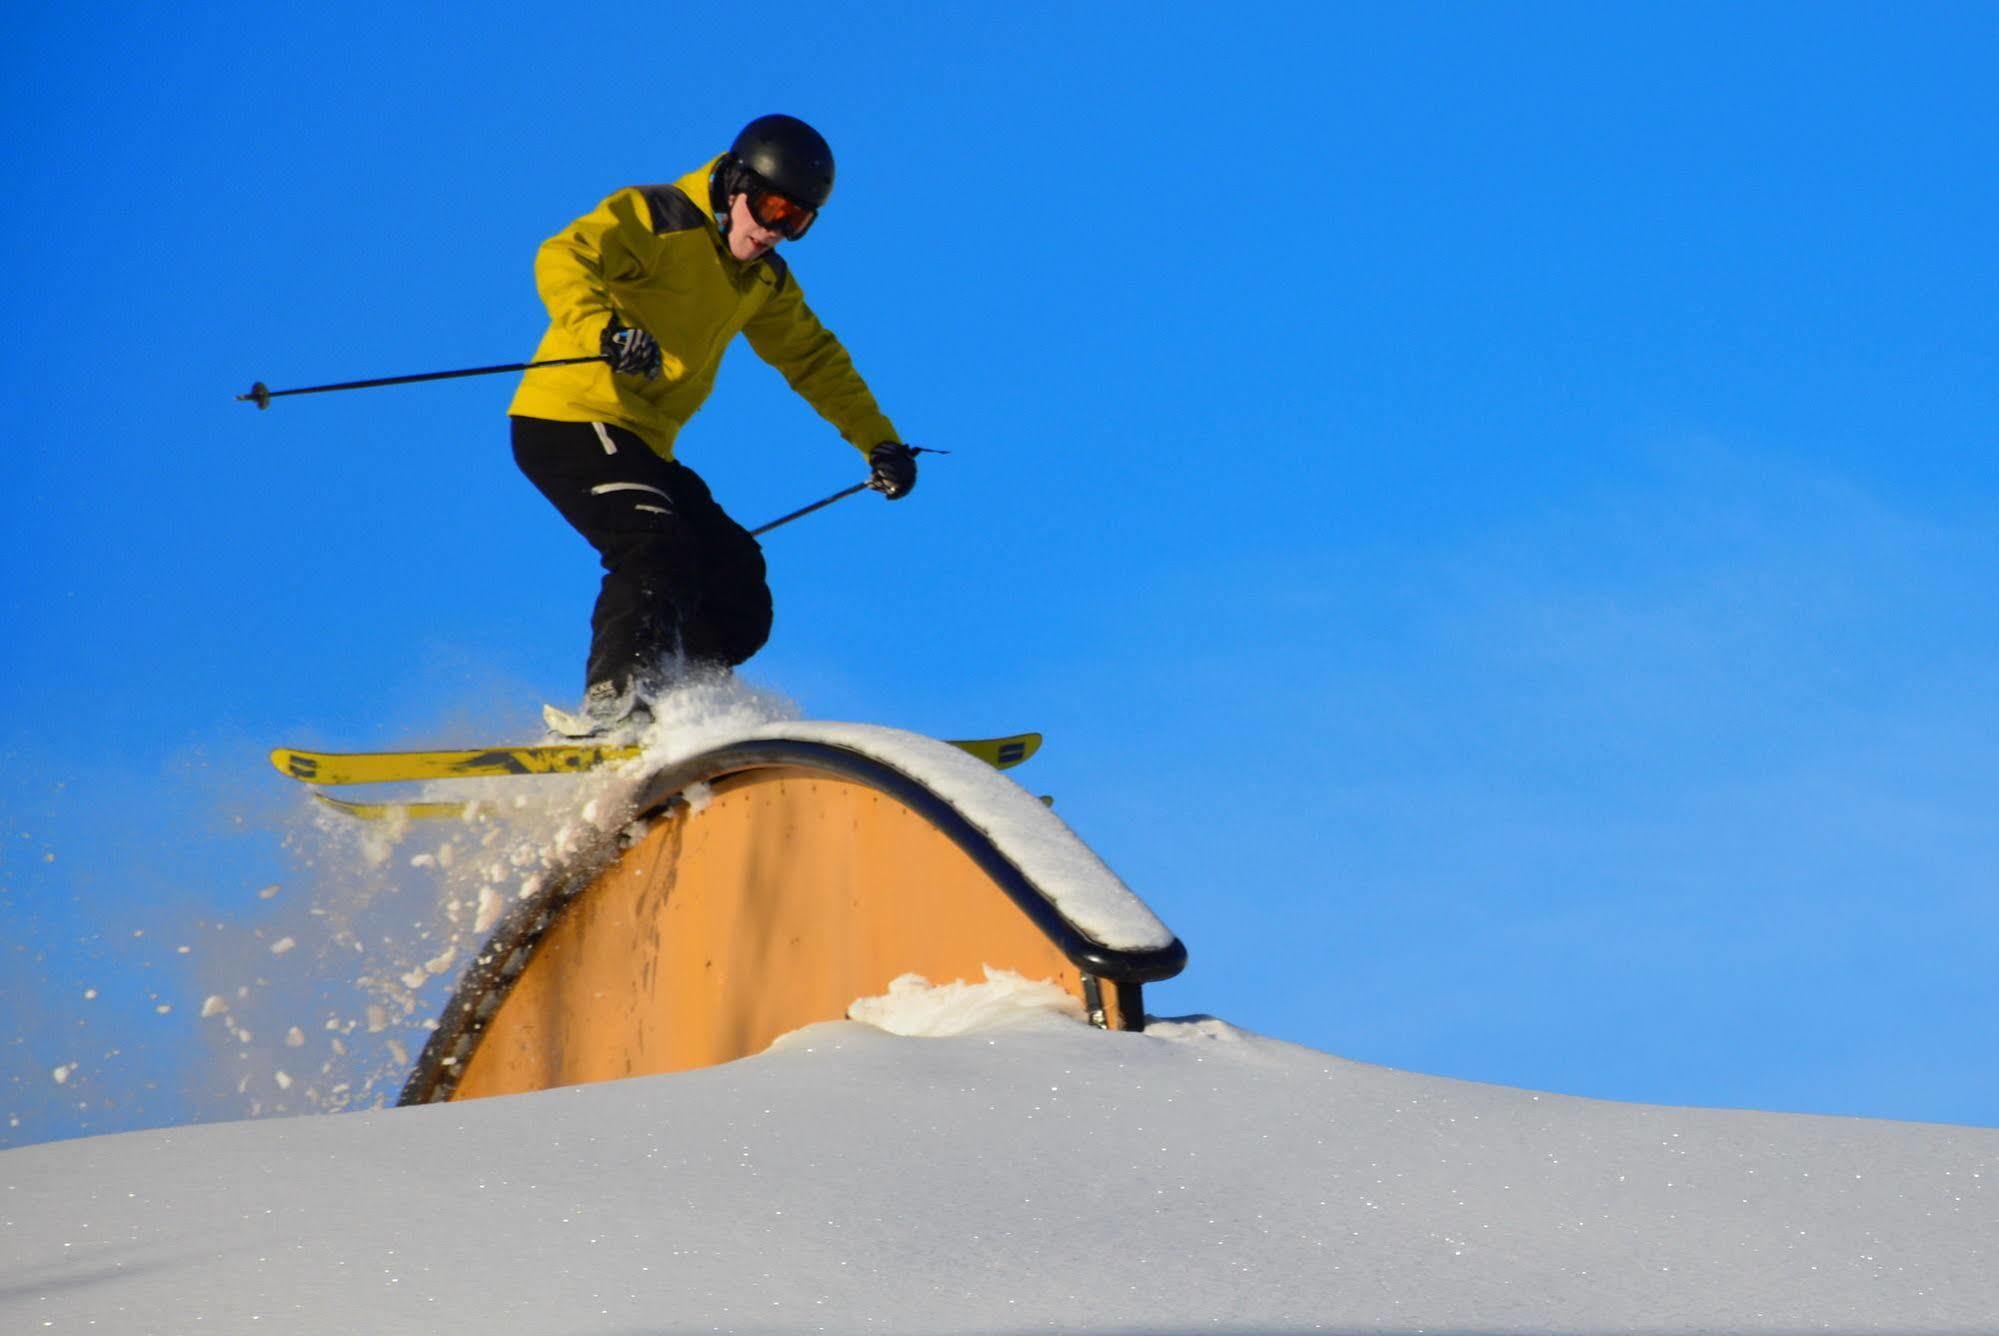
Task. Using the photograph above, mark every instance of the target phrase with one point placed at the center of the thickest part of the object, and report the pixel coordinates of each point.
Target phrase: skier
(659, 280)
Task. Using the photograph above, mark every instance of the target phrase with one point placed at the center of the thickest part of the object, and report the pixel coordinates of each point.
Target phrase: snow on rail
(1077, 883)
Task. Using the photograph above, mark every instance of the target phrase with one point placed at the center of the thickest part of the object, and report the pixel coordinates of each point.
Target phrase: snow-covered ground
(974, 1159)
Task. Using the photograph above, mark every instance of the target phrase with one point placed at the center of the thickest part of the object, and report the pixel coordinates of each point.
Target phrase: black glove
(632, 351)
(895, 469)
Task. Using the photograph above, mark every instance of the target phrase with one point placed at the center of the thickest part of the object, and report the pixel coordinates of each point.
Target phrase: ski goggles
(780, 213)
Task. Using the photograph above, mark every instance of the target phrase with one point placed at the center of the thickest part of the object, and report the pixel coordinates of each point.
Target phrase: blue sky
(1492, 506)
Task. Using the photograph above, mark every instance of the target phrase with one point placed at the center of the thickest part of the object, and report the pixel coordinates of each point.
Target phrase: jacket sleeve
(786, 334)
(574, 269)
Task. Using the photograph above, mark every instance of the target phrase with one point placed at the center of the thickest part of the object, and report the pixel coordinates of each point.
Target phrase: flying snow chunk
(915, 1007)
(282, 945)
(490, 908)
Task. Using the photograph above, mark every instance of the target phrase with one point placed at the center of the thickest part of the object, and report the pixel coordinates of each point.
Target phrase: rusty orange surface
(787, 897)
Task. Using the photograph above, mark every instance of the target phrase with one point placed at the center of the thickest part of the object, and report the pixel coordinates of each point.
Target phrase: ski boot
(611, 713)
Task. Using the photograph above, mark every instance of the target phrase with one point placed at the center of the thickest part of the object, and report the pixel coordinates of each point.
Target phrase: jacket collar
(696, 186)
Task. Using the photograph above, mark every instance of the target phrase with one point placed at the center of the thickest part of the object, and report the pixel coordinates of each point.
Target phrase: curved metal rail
(1112, 978)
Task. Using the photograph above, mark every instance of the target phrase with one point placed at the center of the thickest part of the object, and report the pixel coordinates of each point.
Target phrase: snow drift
(1029, 1173)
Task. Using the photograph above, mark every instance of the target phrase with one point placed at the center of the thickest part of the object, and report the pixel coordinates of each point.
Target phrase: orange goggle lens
(780, 214)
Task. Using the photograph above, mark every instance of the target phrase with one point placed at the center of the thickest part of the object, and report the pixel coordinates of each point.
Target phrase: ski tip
(400, 811)
(296, 764)
(353, 809)
(1003, 753)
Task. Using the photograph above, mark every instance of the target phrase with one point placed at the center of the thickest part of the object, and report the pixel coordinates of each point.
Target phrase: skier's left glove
(895, 469)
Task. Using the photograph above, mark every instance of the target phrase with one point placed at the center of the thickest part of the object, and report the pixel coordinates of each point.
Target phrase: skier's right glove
(632, 351)
(894, 469)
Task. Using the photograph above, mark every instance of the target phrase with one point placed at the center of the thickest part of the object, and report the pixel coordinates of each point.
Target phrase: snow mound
(916, 1008)
(1050, 1177)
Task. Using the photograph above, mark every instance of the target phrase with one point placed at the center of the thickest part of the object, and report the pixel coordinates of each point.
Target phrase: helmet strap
(722, 191)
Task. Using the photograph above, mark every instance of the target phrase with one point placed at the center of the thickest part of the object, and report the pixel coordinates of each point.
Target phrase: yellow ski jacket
(654, 256)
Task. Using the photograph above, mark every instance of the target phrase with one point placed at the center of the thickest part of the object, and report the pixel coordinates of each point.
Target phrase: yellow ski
(313, 767)
(395, 767)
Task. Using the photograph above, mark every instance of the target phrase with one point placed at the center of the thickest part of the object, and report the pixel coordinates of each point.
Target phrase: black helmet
(790, 156)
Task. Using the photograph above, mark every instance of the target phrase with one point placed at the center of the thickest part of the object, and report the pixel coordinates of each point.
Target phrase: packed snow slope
(976, 1159)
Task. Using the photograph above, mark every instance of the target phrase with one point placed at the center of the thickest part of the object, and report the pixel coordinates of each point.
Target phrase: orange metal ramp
(801, 876)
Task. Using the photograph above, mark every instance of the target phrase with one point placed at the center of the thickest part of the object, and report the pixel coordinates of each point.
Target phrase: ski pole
(261, 396)
(802, 511)
(840, 495)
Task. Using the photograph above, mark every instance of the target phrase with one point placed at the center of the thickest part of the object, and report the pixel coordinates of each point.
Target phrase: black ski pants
(680, 577)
